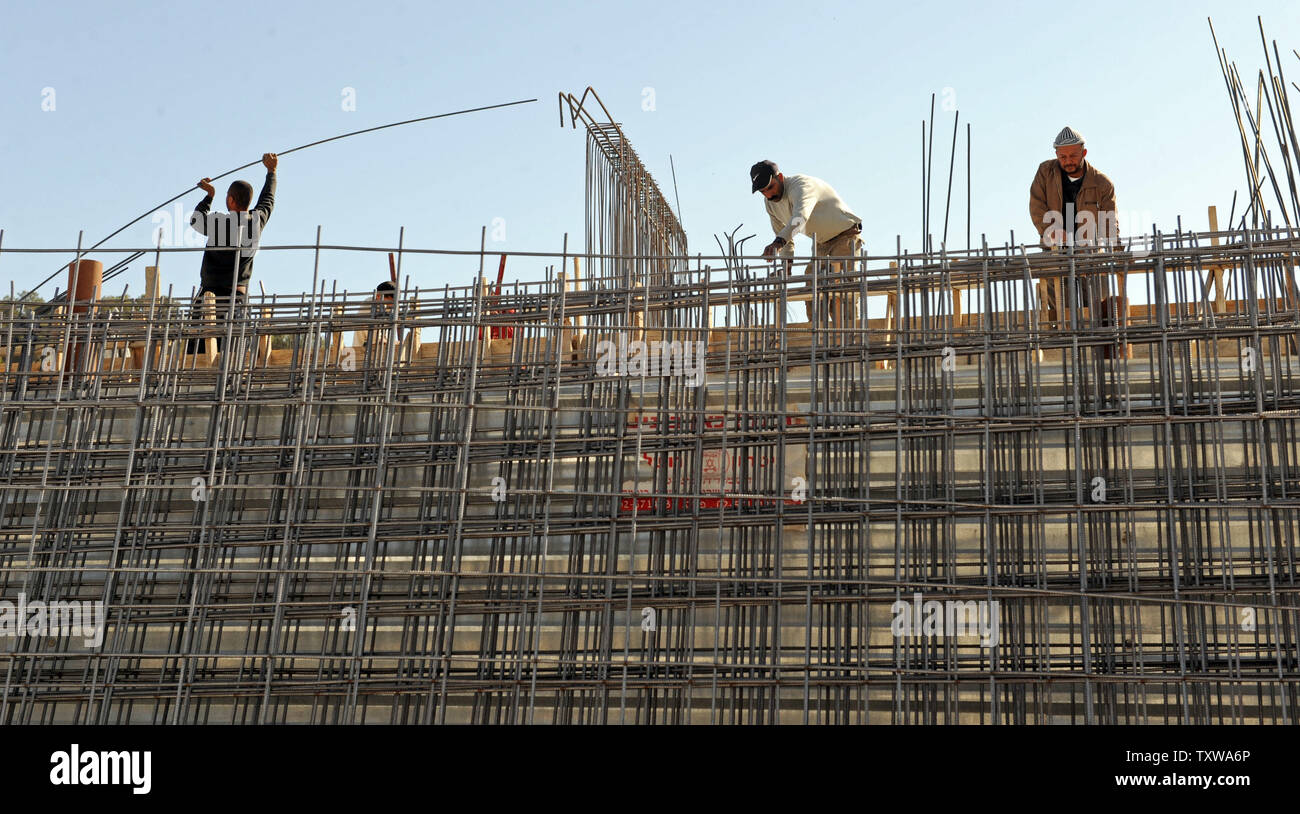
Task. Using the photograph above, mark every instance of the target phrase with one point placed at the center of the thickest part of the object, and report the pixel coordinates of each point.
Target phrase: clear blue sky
(150, 97)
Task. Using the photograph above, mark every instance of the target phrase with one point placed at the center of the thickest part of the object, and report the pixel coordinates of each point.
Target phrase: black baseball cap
(761, 174)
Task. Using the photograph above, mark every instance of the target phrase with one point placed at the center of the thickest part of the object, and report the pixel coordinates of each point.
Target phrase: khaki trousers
(843, 307)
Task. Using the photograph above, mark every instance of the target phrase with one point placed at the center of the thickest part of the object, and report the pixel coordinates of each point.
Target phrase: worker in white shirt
(802, 203)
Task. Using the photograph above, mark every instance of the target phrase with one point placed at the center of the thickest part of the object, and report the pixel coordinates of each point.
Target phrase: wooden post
(410, 345)
(484, 335)
(1216, 270)
(891, 319)
(637, 317)
(579, 335)
(150, 294)
(565, 348)
(208, 352)
(263, 343)
(336, 337)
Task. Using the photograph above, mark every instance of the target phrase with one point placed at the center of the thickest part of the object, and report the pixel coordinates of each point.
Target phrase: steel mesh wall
(466, 528)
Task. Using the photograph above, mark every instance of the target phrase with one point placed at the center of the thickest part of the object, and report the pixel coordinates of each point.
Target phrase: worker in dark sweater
(233, 238)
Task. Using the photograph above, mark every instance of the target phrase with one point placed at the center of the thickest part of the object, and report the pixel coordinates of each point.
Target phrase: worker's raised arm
(199, 218)
(266, 200)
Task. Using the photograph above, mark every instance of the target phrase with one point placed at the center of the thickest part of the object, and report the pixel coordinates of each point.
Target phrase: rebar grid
(460, 527)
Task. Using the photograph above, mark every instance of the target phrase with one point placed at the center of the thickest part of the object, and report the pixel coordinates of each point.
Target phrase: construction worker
(802, 203)
(1069, 190)
(1072, 204)
(233, 238)
(381, 307)
(375, 338)
(383, 304)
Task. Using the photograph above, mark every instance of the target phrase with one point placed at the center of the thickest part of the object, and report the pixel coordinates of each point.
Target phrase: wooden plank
(1216, 271)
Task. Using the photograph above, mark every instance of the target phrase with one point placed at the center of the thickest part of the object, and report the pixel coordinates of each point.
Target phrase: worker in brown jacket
(1072, 204)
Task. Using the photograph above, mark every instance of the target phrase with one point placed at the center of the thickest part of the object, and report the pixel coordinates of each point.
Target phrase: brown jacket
(1096, 196)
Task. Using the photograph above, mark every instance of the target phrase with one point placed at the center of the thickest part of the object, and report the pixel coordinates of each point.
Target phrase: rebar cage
(490, 506)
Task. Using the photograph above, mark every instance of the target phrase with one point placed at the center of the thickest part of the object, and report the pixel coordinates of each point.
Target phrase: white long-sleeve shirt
(811, 206)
